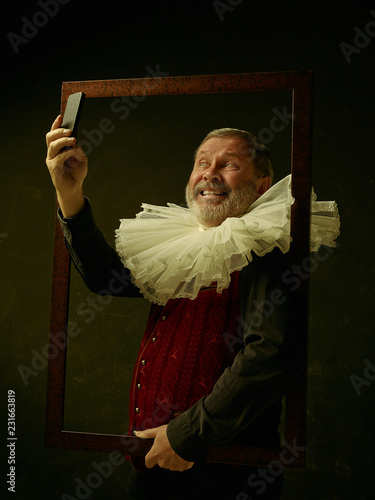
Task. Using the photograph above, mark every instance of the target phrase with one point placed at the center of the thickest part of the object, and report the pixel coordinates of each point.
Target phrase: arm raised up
(67, 167)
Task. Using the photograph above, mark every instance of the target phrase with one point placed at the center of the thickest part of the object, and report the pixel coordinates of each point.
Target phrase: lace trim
(170, 255)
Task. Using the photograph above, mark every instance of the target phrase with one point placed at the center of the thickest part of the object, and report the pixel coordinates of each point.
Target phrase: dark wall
(85, 41)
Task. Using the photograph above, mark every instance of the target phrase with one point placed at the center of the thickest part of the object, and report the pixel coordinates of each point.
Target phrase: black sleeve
(96, 261)
(261, 373)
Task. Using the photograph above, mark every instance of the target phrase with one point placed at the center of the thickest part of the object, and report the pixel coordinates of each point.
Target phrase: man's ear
(262, 185)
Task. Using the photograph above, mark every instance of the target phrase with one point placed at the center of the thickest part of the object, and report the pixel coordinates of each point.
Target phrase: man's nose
(212, 173)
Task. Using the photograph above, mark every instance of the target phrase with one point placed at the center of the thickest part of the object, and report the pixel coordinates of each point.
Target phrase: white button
(164, 318)
(139, 386)
(143, 362)
(137, 410)
(154, 339)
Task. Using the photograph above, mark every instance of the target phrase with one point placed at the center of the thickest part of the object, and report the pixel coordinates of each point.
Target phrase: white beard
(213, 213)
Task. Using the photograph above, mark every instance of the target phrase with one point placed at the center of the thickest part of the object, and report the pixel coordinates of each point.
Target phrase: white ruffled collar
(170, 255)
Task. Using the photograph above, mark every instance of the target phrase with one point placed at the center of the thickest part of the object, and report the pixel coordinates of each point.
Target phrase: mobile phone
(72, 113)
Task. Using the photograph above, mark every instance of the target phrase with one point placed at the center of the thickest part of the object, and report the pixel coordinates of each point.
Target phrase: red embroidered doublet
(182, 354)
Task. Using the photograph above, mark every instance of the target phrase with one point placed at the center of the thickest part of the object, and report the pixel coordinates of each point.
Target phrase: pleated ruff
(170, 255)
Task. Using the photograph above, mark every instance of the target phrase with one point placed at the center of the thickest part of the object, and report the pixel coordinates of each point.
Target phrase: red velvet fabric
(182, 354)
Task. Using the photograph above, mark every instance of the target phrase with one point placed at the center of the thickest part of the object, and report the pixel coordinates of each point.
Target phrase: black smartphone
(72, 113)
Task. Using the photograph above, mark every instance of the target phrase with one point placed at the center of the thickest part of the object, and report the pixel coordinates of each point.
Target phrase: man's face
(223, 182)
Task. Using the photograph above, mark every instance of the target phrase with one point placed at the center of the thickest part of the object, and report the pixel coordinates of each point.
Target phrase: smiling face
(223, 182)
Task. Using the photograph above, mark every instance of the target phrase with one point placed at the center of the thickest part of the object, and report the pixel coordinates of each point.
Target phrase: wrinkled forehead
(231, 147)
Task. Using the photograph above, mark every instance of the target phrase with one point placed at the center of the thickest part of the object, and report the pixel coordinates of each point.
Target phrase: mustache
(216, 185)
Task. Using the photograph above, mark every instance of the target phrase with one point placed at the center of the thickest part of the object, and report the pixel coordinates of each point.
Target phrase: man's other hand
(161, 453)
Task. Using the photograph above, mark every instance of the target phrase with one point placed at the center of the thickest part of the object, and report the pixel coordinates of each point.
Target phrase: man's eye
(231, 165)
(203, 163)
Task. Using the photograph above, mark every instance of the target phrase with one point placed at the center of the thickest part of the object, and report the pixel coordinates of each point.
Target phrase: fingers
(57, 123)
(150, 461)
(58, 138)
(55, 146)
(63, 152)
(55, 126)
(56, 133)
(146, 434)
(161, 452)
(79, 154)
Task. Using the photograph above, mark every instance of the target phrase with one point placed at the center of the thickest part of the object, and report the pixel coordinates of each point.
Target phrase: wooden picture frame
(300, 83)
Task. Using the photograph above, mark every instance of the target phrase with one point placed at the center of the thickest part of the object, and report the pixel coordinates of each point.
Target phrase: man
(214, 362)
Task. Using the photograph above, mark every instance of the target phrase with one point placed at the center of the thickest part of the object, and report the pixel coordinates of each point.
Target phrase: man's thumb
(146, 434)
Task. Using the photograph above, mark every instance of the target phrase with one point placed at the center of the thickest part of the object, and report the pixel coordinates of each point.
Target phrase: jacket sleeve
(96, 261)
(261, 373)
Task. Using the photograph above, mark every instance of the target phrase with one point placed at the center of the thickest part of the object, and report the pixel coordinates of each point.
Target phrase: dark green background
(84, 41)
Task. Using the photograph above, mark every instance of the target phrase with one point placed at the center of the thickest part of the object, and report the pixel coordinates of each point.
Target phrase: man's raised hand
(68, 168)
